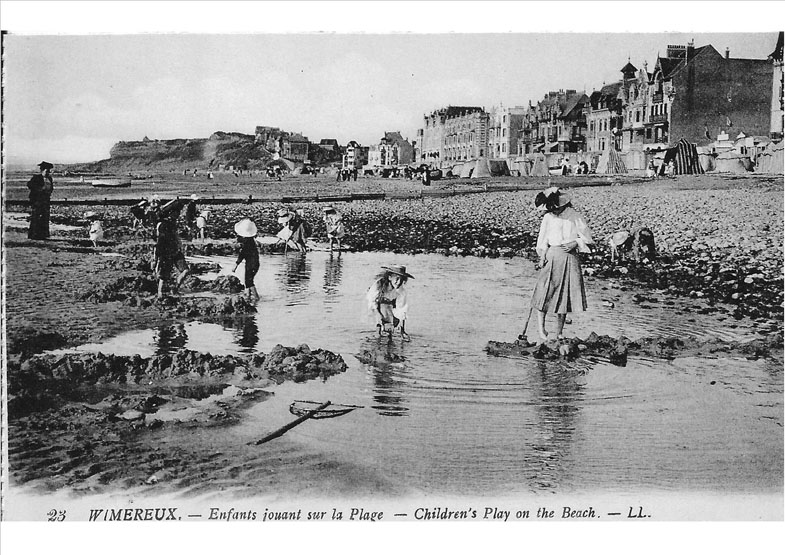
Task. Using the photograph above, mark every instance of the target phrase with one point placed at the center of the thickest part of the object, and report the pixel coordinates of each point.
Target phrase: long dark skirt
(39, 219)
(559, 288)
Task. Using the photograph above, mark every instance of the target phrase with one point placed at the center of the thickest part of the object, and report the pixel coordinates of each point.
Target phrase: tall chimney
(727, 53)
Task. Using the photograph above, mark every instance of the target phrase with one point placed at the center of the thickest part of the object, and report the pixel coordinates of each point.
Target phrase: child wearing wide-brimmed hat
(246, 232)
(293, 231)
(388, 301)
(563, 234)
(333, 222)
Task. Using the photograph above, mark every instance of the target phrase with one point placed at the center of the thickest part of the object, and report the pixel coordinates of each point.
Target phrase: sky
(74, 88)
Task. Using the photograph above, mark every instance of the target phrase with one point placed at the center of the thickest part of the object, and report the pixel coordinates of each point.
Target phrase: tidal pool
(448, 419)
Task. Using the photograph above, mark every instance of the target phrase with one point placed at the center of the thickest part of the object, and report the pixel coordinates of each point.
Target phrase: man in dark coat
(40, 186)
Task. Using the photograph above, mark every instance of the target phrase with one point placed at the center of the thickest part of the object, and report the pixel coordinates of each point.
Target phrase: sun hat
(284, 216)
(398, 270)
(45, 166)
(194, 197)
(245, 228)
(89, 215)
(549, 194)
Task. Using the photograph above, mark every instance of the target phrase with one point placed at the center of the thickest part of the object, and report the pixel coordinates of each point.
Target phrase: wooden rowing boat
(300, 408)
(111, 182)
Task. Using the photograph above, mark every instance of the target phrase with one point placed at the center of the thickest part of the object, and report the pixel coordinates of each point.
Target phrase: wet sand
(63, 445)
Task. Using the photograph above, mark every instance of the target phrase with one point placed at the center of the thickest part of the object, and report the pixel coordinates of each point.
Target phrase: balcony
(659, 118)
(656, 98)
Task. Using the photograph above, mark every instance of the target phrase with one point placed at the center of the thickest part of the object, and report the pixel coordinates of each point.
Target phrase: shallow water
(449, 419)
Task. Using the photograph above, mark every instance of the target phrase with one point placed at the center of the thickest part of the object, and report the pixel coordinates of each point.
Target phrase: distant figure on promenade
(41, 186)
(670, 169)
(354, 174)
(190, 216)
(387, 300)
(333, 222)
(426, 176)
(563, 234)
(169, 257)
(246, 235)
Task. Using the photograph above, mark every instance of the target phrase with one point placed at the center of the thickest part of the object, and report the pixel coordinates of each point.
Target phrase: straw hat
(194, 197)
(245, 228)
(398, 270)
(89, 215)
(284, 216)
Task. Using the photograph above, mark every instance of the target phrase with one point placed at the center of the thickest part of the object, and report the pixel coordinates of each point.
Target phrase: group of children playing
(559, 289)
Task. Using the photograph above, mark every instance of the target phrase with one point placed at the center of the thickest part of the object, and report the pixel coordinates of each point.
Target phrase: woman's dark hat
(45, 166)
(398, 270)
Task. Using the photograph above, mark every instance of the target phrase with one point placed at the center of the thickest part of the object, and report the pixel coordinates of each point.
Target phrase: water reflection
(296, 273)
(385, 359)
(333, 267)
(170, 338)
(556, 396)
(248, 335)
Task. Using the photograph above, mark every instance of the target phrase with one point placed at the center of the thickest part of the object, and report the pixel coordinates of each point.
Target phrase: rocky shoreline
(720, 242)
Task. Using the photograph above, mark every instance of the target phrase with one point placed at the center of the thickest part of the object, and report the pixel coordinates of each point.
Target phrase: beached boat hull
(301, 408)
(110, 183)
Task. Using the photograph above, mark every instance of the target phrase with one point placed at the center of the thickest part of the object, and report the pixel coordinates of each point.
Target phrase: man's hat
(45, 166)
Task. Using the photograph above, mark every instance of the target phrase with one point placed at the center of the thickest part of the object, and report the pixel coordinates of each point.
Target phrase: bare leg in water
(541, 326)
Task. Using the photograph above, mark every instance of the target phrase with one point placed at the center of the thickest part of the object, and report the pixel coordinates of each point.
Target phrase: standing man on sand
(41, 187)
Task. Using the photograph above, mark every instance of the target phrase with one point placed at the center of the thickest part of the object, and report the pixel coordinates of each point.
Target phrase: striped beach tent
(686, 159)
(611, 162)
(771, 160)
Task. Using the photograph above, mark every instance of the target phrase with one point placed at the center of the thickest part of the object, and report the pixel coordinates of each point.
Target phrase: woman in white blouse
(563, 234)
(387, 300)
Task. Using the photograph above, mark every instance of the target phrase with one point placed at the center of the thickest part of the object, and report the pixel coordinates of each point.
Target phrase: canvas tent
(481, 168)
(467, 169)
(540, 167)
(611, 162)
(771, 160)
(732, 162)
(283, 163)
(498, 167)
(685, 158)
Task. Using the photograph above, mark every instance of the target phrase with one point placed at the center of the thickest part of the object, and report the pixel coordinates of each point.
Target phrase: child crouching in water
(387, 300)
(246, 232)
